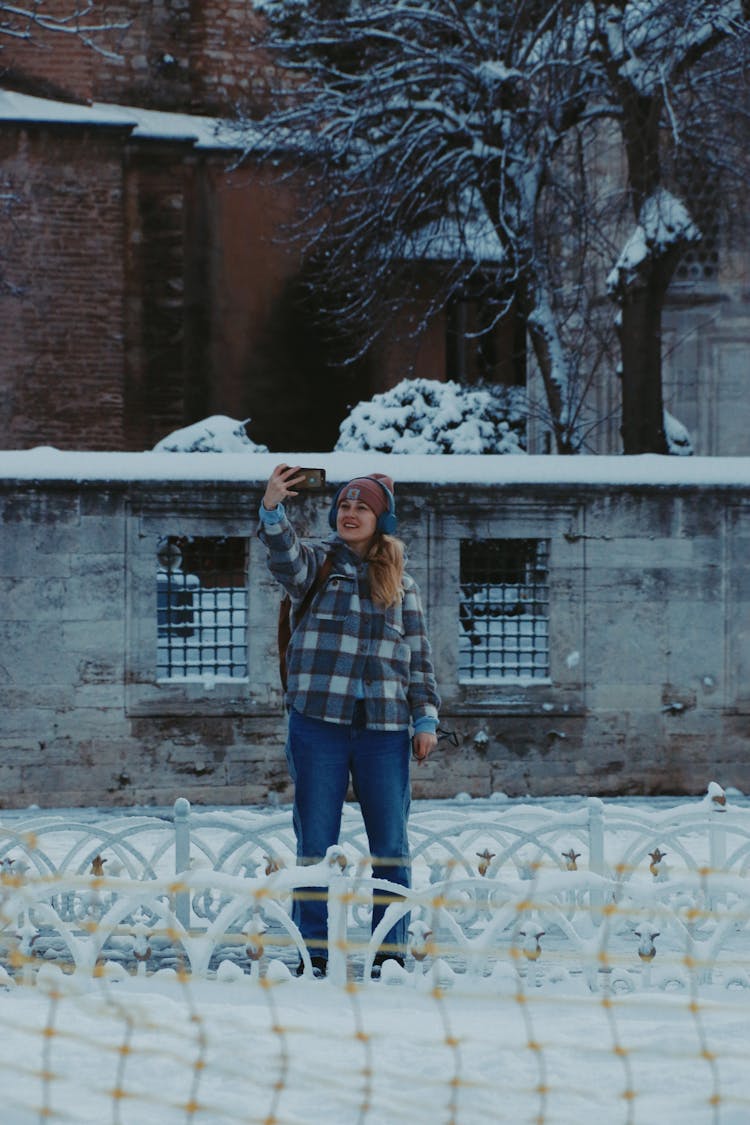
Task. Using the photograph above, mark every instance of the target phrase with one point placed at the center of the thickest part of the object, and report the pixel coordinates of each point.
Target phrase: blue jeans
(321, 756)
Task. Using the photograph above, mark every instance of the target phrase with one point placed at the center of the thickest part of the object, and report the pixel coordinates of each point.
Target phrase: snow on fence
(483, 877)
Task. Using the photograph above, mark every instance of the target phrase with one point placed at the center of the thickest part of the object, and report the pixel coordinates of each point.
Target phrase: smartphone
(314, 478)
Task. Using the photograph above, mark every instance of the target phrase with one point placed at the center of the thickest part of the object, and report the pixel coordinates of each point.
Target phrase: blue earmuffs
(387, 521)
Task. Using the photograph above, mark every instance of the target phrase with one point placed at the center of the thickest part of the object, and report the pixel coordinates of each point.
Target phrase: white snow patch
(679, 442)
(217, 434)
(664, 221)
(470, 236)
(491, 470)
(205, 132)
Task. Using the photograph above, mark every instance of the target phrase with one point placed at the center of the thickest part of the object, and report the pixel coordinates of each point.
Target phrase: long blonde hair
(386, 570)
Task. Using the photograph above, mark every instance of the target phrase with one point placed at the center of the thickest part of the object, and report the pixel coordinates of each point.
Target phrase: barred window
(504, 610)
(700, 185)
(201, 597)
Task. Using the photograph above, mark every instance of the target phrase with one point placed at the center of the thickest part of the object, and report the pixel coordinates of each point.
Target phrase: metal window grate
(504, 609)
(700, 186)
(201, 595)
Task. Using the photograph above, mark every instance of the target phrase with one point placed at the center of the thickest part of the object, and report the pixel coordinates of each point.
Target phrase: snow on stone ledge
(47, 464)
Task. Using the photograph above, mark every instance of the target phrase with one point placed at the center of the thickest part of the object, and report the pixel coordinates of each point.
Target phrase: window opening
(483, 346)
(201, 597)
(699, 183)
(504, 609)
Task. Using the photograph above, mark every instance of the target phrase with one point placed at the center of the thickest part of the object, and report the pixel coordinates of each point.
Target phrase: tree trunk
(642, 401)
(641, 308)
(550, 357)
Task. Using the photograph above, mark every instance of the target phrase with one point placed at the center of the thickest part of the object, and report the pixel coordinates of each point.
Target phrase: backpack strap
(285, 630)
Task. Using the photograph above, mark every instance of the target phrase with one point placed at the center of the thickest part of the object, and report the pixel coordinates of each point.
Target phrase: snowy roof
(204, 132)
(47, 464)
(448, 239)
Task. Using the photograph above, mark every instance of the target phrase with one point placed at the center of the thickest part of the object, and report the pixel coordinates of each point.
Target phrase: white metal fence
(599, 891)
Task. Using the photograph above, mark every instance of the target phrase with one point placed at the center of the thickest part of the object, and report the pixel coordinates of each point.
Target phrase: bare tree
(668, 64)
(435, 122)
(477, 117)
(69, 17)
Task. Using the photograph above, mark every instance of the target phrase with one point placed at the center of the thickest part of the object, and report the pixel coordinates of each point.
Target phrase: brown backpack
(284, 630)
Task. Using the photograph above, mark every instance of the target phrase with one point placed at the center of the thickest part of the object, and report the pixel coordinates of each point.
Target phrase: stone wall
(649, 622)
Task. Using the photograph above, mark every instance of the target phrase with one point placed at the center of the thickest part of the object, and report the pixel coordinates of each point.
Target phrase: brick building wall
(145, 274)
(61, 313)
(225, 68)
(183, 55)
(158, 187)
(648, 623)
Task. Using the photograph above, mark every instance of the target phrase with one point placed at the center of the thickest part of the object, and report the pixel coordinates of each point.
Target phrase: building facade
(146, 282)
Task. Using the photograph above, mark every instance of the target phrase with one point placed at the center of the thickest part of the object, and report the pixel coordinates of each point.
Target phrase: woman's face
(356, 524)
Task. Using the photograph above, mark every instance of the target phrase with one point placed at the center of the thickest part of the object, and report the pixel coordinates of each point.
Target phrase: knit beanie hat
(369, 492)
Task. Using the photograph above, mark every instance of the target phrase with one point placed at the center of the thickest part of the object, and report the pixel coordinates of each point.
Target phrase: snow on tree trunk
(679, 442)
(639, 283)
(553, 364)
(664, 226)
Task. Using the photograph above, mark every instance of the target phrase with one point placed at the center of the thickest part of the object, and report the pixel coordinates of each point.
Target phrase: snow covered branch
(23, 21)
(653, 41)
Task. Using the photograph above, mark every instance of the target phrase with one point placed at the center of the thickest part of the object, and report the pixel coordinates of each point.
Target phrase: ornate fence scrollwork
(598, 894)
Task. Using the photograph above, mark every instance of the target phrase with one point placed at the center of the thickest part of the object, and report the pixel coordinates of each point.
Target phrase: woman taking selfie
(360, 675)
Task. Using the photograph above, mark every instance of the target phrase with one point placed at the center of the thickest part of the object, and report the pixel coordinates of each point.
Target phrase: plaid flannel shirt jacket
(345, 640)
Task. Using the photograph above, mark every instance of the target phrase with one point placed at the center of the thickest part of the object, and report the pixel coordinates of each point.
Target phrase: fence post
(182, 857)
(339, 894)
(596, 854)
(717, 847)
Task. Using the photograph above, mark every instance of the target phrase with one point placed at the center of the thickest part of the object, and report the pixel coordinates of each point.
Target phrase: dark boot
(319, 967)
(380, 959)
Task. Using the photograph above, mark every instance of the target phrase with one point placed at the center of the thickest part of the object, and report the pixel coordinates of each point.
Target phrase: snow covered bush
(217, 434)
(426, 416)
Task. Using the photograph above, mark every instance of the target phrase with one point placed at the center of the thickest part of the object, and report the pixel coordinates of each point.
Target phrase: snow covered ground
(251, 1044)
(154, 1051)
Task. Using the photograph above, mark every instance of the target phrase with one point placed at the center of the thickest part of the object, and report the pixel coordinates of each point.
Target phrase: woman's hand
(279, 482)
(422, 745)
